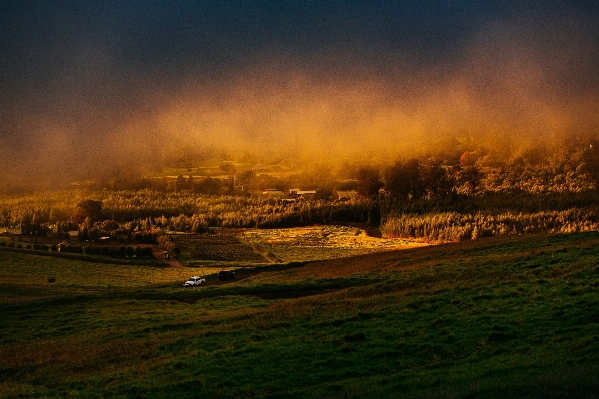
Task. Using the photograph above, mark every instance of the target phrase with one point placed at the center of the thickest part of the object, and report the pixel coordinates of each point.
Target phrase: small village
(296, 194)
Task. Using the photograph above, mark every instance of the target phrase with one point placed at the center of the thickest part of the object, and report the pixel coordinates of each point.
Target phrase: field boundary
(84, 258)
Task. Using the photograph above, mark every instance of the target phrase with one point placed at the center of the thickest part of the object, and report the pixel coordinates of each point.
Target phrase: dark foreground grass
(495, 318)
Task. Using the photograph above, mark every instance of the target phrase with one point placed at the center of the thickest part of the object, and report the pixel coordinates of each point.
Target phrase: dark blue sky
(41, 40)
(87, 68)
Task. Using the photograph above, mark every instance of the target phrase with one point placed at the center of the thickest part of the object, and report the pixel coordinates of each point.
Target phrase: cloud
(104, 102)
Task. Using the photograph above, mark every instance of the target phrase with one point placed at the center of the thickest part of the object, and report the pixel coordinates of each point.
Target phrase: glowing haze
(90, 88)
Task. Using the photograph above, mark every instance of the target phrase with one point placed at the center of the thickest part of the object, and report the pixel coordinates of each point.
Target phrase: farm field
(216, 250)
(322, 242)
(491, 318)
(252, 247)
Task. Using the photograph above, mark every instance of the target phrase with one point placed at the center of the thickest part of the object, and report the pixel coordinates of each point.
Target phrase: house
(273, 192)
(343, 196)
(305, 194)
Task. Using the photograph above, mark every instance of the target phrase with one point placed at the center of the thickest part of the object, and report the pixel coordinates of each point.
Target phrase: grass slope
(493, 318)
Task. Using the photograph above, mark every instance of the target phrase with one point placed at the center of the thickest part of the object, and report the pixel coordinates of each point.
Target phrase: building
(305, 194)
(273, 192)
(343, 196)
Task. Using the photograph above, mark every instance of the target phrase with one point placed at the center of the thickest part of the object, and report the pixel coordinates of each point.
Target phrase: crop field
(322, 242)
(221, 247)
(249, 247)
(492, 318)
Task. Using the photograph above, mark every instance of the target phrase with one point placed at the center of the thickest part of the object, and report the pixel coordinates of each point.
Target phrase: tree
(369, 181)
(437, 180)
(590, 161)
(471, 176)
(210, 185)
(89, 209)
(181, 183)
(404, 180)
(227, 168)
(246, 178)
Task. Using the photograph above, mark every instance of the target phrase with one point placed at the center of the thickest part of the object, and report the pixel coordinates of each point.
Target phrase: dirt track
(172, 261)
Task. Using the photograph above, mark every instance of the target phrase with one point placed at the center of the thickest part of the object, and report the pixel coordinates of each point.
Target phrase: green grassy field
(491, 318)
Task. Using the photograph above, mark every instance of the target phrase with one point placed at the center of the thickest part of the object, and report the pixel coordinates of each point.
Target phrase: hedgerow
(454, 226)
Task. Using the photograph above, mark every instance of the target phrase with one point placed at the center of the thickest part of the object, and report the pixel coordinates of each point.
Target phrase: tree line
(425, 199)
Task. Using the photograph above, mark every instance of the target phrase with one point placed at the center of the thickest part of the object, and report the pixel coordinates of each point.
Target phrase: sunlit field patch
(321, 242)
(215, 250)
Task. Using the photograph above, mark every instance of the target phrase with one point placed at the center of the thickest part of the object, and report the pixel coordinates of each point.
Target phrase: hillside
(496, 317)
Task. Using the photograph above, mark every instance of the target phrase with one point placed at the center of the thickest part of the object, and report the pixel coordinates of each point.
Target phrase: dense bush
(452, 226)
(167, 244)
(144, 236)
(70, 248)
(118, 252)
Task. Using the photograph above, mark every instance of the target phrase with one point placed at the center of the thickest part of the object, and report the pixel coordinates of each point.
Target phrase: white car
(194, 281)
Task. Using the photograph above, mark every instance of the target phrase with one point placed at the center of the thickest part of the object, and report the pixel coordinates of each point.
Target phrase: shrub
(114, 251)
(144, 252)
(167, 244)
(93, 250)
(144, 237)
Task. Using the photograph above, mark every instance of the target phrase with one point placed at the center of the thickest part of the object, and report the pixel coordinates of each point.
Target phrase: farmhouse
(273, 192)
(343, 196)
(305, 194)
